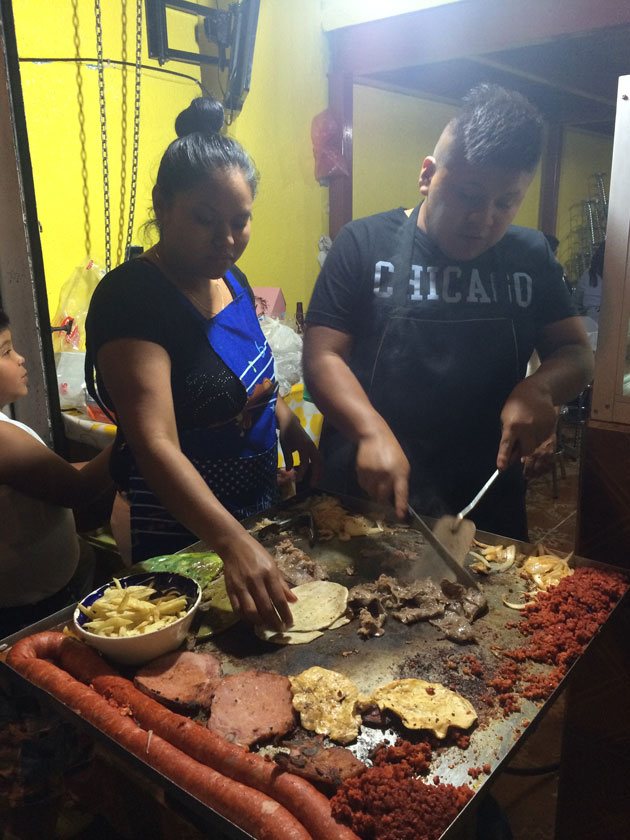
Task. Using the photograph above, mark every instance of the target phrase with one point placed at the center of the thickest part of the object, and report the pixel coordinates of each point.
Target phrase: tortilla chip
(425, 705)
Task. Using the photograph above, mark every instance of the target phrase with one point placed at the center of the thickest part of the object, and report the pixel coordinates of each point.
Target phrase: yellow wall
(583, 155)
(392, 135)
(288, 89)
(52, 114)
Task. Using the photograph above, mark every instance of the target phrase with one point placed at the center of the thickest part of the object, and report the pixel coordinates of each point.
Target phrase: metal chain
(76, 39)
(123, 132)
(103, 117)
(136, 124)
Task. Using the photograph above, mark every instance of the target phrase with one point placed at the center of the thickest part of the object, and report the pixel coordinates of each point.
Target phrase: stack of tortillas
(321, 605)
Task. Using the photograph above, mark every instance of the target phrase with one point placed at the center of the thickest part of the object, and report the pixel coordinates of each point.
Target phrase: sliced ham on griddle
(181, 680)
(252, 706)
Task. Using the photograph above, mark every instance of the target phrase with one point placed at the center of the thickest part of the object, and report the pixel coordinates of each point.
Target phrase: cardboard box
(269, 301)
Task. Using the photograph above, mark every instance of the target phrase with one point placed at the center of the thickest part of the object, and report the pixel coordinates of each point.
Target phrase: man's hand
(541, 459)
(383, 469)
(293, 438)
(528, 418)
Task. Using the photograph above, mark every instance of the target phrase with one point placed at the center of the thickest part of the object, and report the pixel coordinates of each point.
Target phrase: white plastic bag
(71, 379)
(286, 346)
(74, 300)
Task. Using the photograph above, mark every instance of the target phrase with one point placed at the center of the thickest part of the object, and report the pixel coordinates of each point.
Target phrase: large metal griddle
(419, 650)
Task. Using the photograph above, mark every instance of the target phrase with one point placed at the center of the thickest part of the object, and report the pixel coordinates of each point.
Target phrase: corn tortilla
(320, 603)
(287, 637)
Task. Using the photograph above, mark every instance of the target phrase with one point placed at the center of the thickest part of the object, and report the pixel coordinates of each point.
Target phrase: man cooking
(422, 322)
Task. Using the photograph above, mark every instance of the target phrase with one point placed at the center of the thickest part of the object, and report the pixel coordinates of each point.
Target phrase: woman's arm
(137, 375)
(35, 470)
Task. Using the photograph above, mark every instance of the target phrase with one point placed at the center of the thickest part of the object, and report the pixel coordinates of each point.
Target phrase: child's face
(13, 376)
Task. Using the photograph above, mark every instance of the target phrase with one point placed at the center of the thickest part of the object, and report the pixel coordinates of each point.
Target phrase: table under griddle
(417, 650)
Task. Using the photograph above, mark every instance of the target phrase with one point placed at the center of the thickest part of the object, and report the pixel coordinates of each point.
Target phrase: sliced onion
(514, 606)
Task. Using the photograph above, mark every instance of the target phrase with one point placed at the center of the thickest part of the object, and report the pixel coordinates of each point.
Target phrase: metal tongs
(300, 521)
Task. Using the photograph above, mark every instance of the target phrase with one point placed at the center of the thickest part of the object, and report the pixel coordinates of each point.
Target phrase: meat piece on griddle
(363, 595)
(472, 601)
(455, 627)
(451, 607)
(181, 680)
(410, 615)
(295, 565)
(325, 767)
(252, 706)
(371, 623)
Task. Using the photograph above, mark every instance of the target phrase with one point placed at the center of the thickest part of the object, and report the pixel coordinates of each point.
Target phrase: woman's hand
(293, 438)
(256, 589)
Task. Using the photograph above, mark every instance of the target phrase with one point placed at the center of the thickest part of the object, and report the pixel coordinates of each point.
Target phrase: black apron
(440, 380)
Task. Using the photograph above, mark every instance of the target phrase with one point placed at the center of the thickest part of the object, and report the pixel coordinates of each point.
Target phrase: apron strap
(403, 258)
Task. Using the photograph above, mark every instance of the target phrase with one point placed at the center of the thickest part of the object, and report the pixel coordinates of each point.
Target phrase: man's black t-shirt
(519, 278)
(438, 344)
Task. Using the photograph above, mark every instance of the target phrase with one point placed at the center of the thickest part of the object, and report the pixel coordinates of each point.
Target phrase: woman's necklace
(215, 305)
(217, 289)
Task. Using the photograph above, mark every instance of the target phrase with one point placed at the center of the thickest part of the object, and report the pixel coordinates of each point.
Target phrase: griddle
(419, 650)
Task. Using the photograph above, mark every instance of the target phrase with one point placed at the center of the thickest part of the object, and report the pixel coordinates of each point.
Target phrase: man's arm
(382, 467)
(529, 415)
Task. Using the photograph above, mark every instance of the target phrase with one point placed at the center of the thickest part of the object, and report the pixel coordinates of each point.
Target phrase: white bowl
(136, 650)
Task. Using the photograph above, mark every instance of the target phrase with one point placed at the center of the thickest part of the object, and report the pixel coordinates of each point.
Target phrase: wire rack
(587, 226)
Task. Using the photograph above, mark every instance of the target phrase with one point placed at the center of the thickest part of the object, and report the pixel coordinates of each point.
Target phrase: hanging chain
(76, 39)
(103, 116)
(123, 132)
(136, 124)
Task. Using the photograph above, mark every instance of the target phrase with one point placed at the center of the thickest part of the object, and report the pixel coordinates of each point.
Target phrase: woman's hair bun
(204, 115)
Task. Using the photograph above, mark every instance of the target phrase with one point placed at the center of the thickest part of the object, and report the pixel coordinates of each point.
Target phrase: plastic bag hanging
(74, 300)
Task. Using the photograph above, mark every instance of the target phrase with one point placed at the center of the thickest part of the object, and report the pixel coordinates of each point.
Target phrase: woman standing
(179, 357)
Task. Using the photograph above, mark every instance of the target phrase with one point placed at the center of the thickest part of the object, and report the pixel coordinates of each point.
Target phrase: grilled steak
(180, 680)
(455, 627)
(295, 565)
(324, 767)
(252, 706)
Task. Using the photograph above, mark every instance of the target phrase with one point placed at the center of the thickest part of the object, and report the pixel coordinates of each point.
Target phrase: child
(40, 572)
(39, 548)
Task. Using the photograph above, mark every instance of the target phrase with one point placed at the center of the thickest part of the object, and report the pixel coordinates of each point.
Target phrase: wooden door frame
(456, 30)
(22, 281)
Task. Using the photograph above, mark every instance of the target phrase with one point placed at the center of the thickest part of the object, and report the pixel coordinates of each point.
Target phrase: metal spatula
(456, 533)
(437, 561)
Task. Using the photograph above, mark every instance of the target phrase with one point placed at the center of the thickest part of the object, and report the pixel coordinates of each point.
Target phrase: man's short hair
(496, 127)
